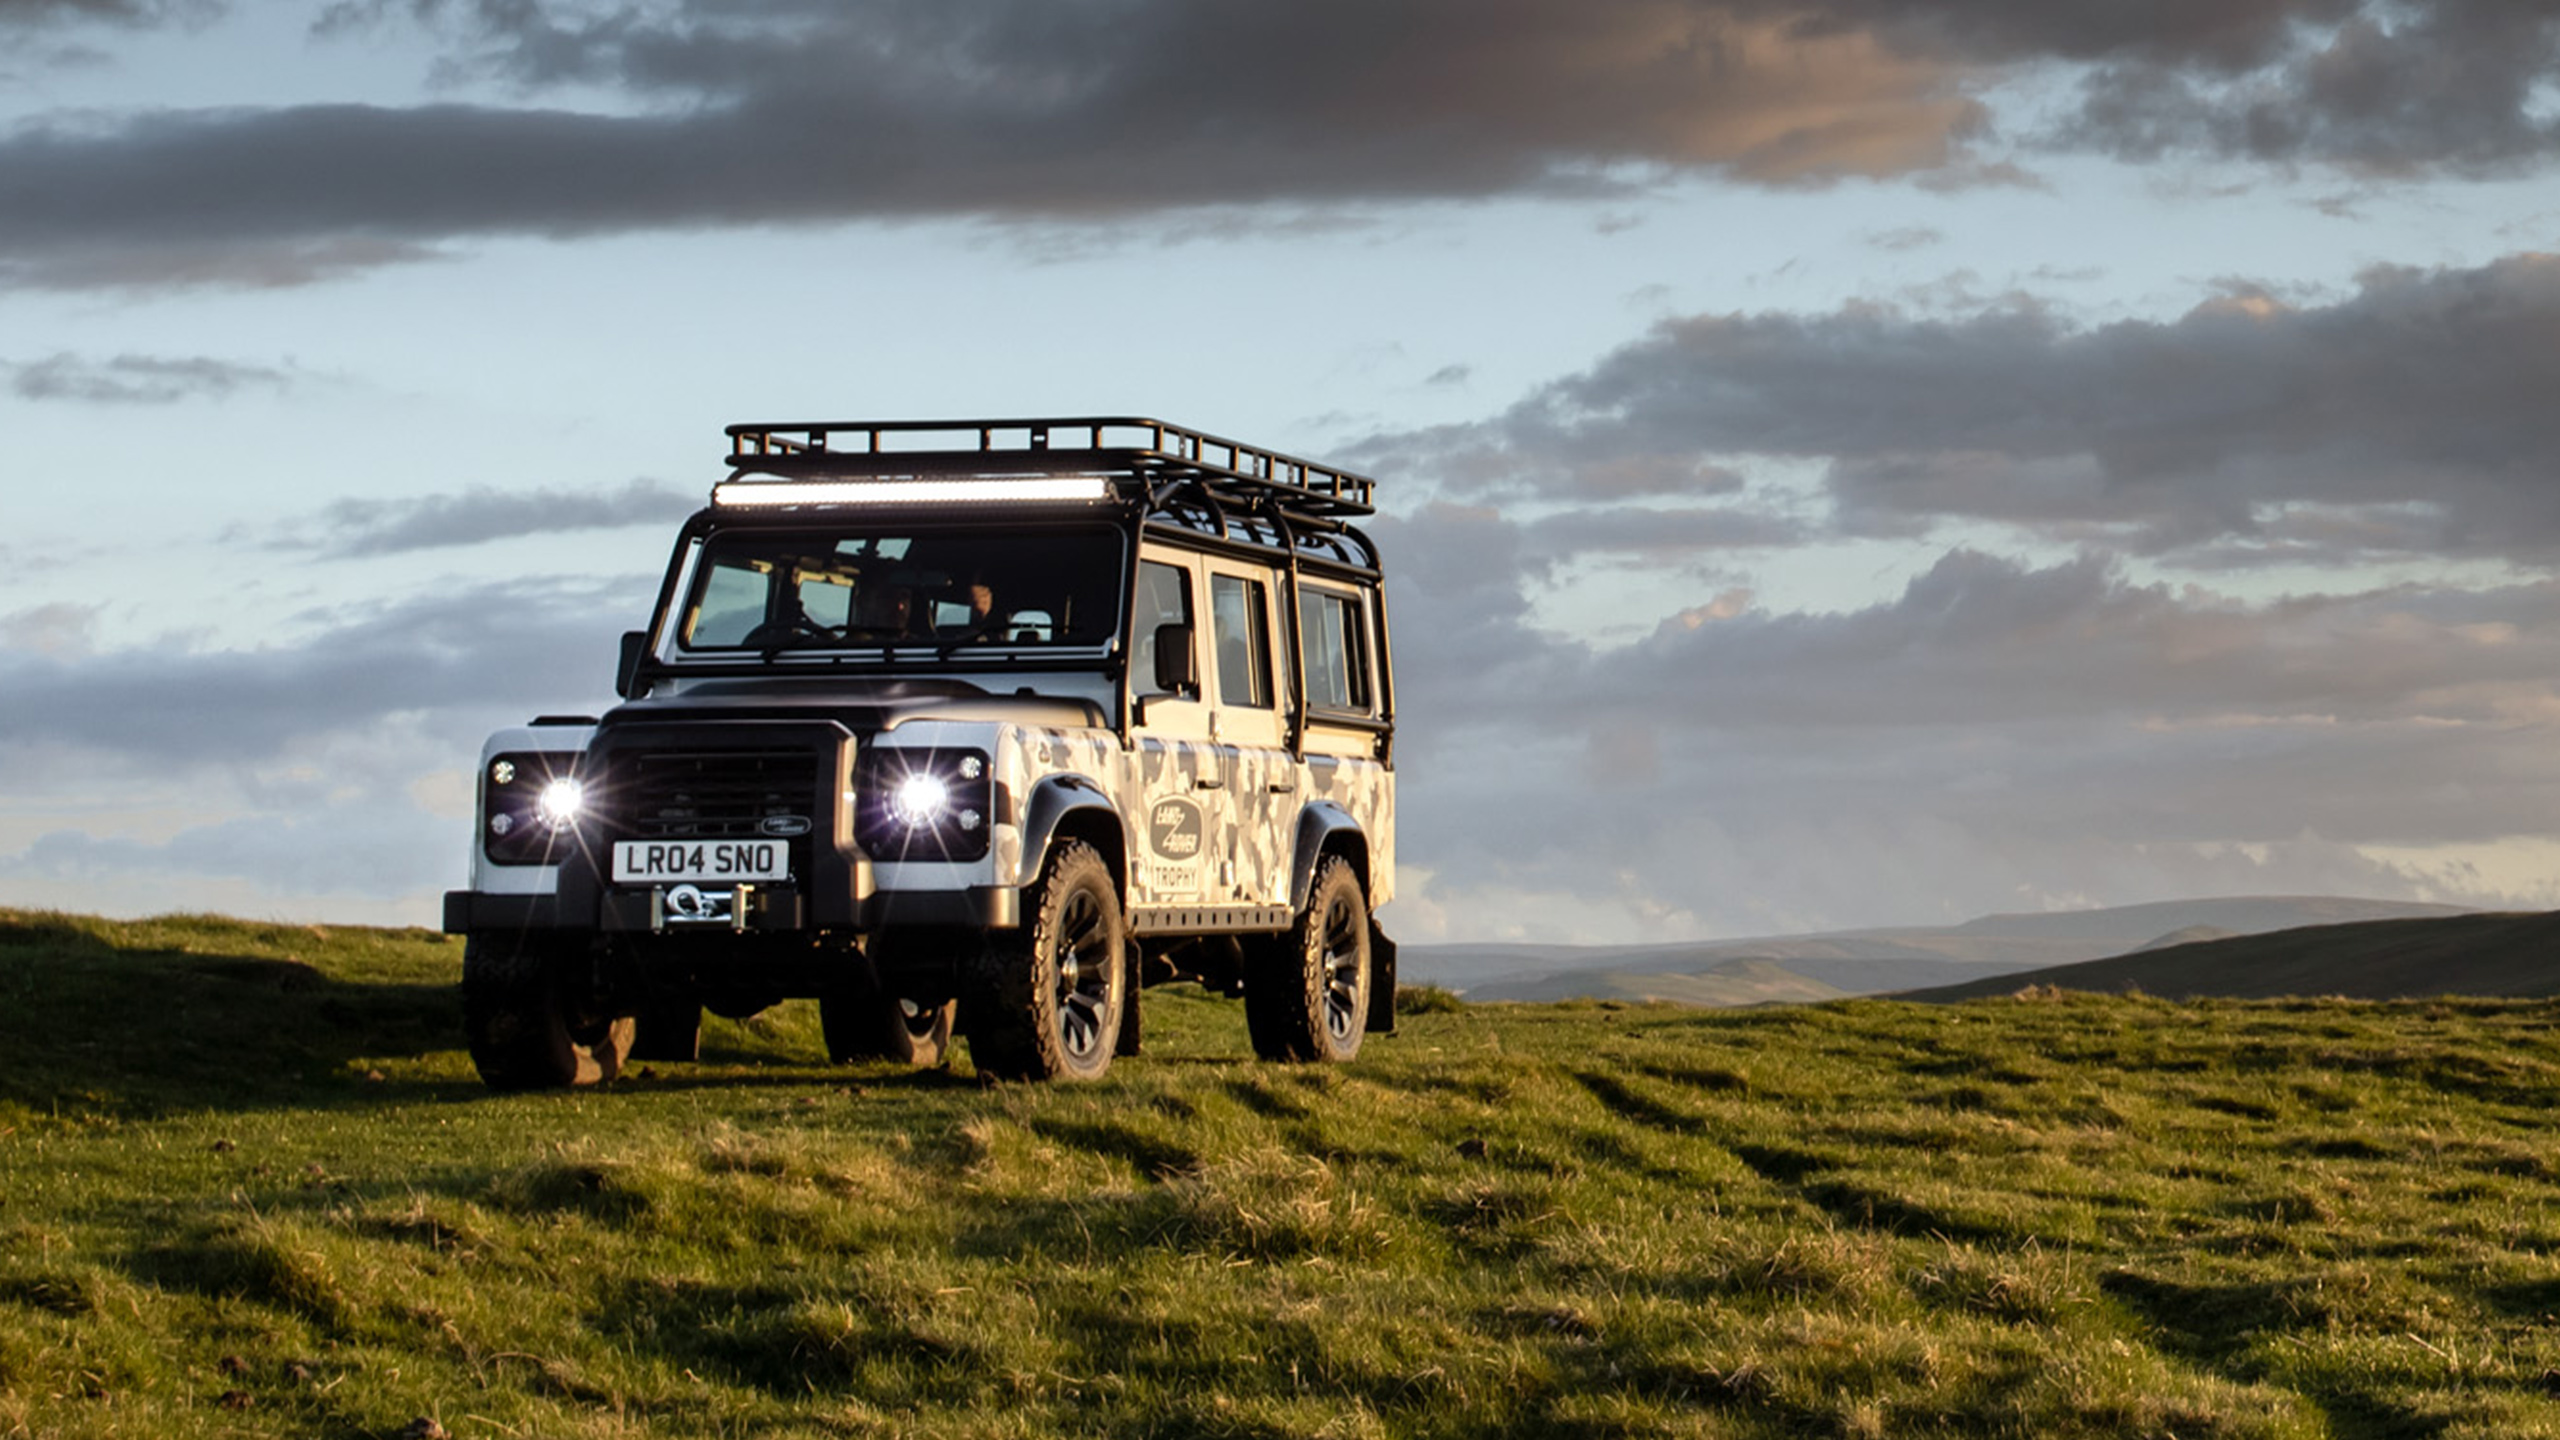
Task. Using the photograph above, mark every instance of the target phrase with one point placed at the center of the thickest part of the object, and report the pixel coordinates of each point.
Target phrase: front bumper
(769, 910)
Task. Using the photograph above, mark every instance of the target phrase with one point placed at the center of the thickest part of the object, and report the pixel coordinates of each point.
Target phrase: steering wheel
(994, 622)
(774, 634)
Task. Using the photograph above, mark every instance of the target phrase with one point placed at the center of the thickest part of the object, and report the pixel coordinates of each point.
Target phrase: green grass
(248, 1185)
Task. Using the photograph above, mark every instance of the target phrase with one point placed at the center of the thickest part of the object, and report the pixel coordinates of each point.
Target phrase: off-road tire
(1045, 999)
(1306, 991)
(529, 1020)
(876, 1025)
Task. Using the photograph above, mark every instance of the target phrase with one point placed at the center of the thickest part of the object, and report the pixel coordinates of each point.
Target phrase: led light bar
(738, 493)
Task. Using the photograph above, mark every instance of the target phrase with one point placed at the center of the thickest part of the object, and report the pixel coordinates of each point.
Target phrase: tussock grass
(248, 1184)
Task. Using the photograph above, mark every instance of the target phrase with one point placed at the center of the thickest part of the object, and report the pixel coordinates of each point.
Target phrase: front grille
(718, 796)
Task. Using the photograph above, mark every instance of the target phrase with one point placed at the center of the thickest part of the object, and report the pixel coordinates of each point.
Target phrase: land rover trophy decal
(1173, 830)
(1174, 849)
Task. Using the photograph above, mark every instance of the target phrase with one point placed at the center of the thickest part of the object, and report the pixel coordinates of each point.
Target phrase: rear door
(1247, 724)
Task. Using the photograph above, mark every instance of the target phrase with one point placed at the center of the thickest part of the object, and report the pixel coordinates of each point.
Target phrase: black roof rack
(1167, 464)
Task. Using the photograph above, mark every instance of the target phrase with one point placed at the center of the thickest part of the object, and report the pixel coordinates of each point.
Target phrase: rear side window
(1337, 663)
(1241, 617)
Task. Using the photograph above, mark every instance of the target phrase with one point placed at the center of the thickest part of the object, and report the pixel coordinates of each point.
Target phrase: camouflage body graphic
(1214, 847)
(984, 736)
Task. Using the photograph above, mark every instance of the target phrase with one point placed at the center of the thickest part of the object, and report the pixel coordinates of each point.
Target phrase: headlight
(920, 800)
(560, 802)
(924, 804)
(529, 803)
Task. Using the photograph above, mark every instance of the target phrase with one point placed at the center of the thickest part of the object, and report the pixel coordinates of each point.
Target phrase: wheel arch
(1325, 828)
(1074, 807)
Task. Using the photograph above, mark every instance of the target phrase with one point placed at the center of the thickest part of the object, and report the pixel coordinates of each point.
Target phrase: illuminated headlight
(529, 802)
(920, 800)
(560, 802)
(924, 804)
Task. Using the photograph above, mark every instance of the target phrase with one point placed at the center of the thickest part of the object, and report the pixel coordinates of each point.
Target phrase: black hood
(863, 706)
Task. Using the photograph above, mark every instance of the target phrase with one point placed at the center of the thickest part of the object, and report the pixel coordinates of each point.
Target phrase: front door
(1176, 818)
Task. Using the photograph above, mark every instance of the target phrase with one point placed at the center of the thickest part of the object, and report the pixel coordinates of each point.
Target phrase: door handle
(1284, 787)
(1206, 782)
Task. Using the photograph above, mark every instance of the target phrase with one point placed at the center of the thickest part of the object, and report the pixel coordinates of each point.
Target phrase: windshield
(869, 589)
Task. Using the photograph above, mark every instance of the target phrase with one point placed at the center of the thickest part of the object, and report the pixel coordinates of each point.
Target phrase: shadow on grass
(95, 1028)
(110, 1021)
(2211, 1323)
(2215, 1325)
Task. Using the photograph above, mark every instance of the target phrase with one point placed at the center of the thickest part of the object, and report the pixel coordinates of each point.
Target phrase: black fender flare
(1052, 800)
(1319, 824)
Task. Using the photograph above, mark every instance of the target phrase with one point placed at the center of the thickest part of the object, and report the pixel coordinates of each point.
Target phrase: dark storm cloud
(997, 108)
(732, 112)
(2412, 416)
(1976, 641)
(2373, 88)
(29, 13)
(1645, 530)
(378, 843)
(2448, 85)
(136, 379)
(472, 517)
(320, 756)
(1999, 735)
(465, 659)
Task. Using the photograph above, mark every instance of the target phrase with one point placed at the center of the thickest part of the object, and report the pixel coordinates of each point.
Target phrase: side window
(1337, 668)
(1241, 616)
(1164, 598)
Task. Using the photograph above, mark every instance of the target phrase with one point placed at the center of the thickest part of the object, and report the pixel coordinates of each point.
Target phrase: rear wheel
(1047, 998)
(1306, 992)
(529, 1012)
(875, 1025)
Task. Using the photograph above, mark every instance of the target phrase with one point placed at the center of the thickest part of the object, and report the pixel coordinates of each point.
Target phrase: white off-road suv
(973, 726)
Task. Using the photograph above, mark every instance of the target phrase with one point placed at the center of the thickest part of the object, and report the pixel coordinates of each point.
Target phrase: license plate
(643, 862)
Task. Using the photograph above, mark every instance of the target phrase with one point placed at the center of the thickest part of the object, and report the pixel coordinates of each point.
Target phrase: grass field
(249, 1186)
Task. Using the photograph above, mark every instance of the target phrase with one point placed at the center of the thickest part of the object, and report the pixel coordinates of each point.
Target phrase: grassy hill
(1750, 981)
(2377, 959)
(249, 1186)
(1872, 962)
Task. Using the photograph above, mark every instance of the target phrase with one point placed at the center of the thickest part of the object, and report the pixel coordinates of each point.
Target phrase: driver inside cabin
(971, 614)
(884, 612)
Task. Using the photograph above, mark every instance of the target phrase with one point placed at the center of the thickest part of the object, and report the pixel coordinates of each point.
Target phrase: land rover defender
(965, 728)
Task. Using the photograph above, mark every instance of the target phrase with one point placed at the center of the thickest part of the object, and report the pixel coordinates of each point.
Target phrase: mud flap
(1382, 982)
(1130, 1026)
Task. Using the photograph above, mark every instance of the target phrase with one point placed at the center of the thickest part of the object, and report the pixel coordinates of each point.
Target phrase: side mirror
(626, 675)
(1177, 669)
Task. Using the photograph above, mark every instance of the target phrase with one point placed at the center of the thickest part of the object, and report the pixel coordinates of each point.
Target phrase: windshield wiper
(978, 631)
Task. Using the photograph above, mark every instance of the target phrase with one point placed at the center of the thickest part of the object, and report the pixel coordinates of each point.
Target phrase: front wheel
(529, 1012)
(1306, 992)
(1047, 999)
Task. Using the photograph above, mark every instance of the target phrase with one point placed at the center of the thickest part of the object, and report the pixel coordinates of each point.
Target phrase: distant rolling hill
(1735, 982)
(1988, 950)
(2493, 955)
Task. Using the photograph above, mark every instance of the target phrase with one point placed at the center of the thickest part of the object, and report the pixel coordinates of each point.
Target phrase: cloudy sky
(1848, 462)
